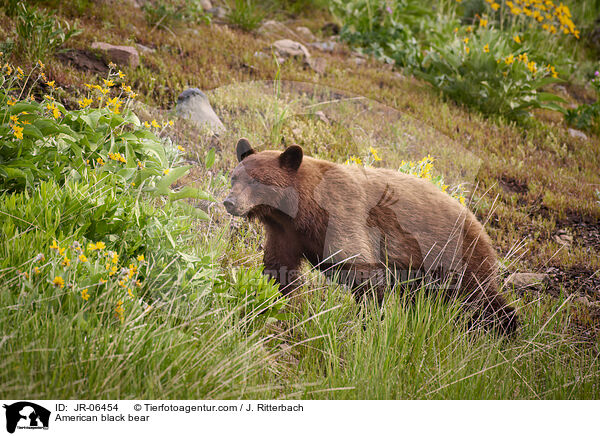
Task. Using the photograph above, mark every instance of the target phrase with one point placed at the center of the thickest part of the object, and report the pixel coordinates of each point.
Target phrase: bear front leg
(282, 261)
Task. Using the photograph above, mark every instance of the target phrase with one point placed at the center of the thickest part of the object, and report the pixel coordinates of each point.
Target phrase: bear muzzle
(232, 207)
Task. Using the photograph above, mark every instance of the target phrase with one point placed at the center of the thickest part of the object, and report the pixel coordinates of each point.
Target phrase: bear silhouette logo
(26, 415)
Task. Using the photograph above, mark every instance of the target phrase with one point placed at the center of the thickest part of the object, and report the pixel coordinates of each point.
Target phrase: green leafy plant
(388, 31)
(256, 294)
(39, 34)
(245, 14)
(491, 73)
(160, 13)
(587, 116)
(43, 140)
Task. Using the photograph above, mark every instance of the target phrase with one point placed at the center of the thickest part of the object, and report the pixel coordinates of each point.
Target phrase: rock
(318, 65)
(327, 46)
(561, 89)
(272, 27)
(144, 49)
(563, 237)
(574, 133)
(321, 116)
(305, 33)
(217, 12)
(358, 61)
(206, 5)
(527, 280)
(194, 105)
(122, 55)
(287, 48)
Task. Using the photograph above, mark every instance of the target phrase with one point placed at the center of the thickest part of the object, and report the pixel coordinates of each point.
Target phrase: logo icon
(26, 415)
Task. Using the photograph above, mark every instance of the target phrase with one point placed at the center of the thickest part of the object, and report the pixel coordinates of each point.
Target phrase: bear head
(264, 183)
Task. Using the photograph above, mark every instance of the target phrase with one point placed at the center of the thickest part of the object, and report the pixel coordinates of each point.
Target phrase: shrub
(39, 34)
(245, 15)
(587, 116)
(388, 32)
(162, 13)
(43, 140)
(486, 70)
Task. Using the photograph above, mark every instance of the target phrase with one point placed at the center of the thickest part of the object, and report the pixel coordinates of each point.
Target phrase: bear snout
(229, 205)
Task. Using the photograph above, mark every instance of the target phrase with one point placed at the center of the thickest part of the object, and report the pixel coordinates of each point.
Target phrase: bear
(363, 225)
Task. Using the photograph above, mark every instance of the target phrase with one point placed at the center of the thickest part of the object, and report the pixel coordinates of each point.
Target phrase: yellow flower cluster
(554, 17)
(117, 157)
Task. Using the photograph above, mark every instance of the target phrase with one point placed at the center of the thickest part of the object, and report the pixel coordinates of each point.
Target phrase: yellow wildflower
(85, 295)
(166, 171)
(517, 39)
(66, 261)
(495, 6)
(483, 22)
(51, 84)
(108, 83)
(11, 102)
(121, 74)
(140, 258)
(58, 282)
(17, 131)
(486, 48)
(180, 148)
(85, 102)
(155, 124)
(83, 258)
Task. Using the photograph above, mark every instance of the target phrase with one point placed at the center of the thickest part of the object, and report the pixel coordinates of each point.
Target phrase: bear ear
(243, 149)
(291, 158)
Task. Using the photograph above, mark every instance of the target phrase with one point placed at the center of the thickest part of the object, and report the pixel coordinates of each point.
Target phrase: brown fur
(364, 221)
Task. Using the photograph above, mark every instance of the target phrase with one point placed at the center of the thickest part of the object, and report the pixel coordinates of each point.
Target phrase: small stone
(217, 12)
(271, 27)
(144, 49)
(574, 133)
(358, 61)
(527, 280)
(122, 55)
(326, 46)
(288, 48)
(206, 5)
(321, 116)
(194, 105)
(563, 237)
(305, 33)
(318, 65)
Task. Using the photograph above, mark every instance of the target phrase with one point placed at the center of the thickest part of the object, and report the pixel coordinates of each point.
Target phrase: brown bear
(364, 225)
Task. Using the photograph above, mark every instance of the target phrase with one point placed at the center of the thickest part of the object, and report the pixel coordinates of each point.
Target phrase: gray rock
(217, 12)
(206, 4)
(321, 116)
(122, 55)
(194, 105)
(327, 46)
(527, 280)
(144, 49)
(574, 133)
(563, 237)
(305, 34)
(318, 65)
(287, 48)
(272, 27)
